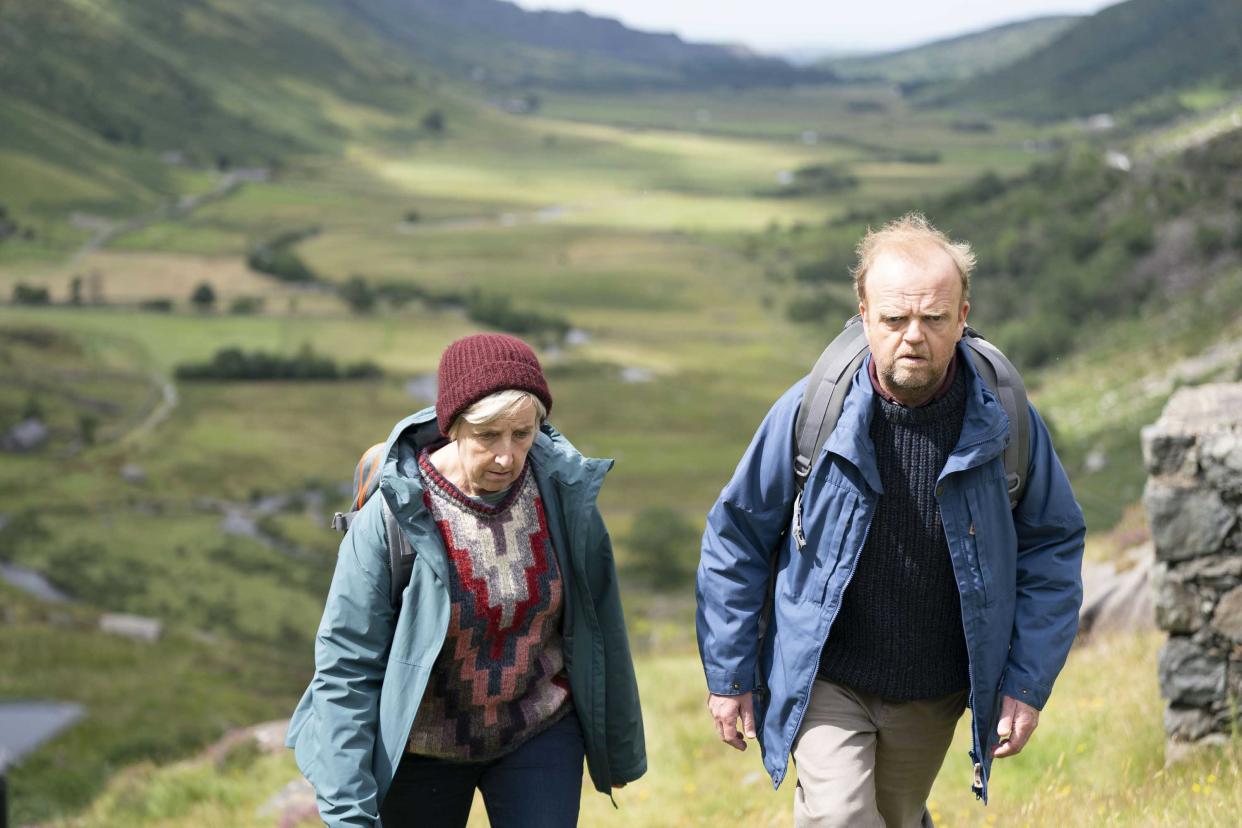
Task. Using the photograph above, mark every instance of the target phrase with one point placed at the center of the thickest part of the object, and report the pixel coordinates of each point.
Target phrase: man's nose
(913, 332)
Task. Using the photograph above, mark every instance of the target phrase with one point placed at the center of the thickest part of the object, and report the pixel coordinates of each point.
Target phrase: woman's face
(492, 455)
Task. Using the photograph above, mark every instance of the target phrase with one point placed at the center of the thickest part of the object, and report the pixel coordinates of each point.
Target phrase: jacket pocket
(811, 568)
(974, 546)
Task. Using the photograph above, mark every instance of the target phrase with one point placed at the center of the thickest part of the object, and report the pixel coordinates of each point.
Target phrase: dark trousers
(539, 784)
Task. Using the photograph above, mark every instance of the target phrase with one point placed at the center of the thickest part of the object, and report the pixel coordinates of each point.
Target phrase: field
(205, 504)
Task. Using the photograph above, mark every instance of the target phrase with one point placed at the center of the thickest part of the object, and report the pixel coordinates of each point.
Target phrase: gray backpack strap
(342, 520)
(400, 554)
(825, 395)
(1005, 381)
(821, 406)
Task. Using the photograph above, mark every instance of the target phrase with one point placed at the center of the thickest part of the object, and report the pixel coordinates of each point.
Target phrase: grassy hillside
(1126, 53)
(955, 58)
(1096, 759)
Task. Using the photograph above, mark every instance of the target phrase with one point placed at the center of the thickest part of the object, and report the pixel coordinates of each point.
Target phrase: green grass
(1097, 758)
(144, 702)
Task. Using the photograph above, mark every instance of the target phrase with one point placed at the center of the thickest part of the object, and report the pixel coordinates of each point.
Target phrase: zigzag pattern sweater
(500, 676)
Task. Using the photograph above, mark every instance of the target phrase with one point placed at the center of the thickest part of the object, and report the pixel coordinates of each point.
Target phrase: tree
(434, 122)
(358, 295)
(204, 297)
(75, 290)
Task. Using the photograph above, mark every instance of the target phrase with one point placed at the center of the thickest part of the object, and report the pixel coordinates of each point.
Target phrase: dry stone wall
(1194, 505)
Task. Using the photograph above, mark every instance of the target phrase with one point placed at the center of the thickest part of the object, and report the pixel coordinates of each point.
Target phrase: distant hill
(509, 46)
(955, 58)
(249, 81)
(1117, 57)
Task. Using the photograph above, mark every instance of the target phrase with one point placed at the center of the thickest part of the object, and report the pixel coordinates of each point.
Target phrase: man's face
(913, 316)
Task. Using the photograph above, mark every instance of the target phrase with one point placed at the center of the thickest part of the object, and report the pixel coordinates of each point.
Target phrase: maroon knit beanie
(475, 366)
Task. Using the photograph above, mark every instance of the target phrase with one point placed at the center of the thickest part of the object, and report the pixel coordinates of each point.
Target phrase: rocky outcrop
(1194, 504)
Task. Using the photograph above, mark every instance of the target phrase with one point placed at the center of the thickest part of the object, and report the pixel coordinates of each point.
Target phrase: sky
(854, 25)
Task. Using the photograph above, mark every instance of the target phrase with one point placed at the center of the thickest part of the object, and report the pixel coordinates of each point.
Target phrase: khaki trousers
(867, 763)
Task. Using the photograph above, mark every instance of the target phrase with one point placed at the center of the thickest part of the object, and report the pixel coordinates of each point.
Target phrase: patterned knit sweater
(500, 677)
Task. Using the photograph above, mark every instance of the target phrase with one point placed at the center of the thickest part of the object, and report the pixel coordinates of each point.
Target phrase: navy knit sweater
(898, 634)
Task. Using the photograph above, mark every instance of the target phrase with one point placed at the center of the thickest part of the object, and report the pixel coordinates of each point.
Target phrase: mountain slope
(1119, 56)
(956, 58)
(510, 46)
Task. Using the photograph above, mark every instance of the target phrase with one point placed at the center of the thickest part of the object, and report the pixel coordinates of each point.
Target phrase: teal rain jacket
(372, 664)
(1018, 572)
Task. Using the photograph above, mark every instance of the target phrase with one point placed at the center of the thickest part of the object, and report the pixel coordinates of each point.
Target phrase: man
(912, 590)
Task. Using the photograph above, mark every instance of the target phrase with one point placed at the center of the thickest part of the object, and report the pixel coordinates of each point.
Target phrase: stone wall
(1194, 505)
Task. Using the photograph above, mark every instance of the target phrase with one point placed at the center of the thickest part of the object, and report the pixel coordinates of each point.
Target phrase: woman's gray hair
(497, 406)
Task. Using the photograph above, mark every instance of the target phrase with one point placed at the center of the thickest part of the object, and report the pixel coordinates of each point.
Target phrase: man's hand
(1017, 722)
(726, 710)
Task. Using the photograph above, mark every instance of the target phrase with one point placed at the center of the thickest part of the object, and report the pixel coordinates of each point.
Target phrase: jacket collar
(556, 461)
(985, 427)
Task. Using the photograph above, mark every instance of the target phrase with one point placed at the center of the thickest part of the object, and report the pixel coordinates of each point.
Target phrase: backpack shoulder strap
(400, 554)
(825, 395)
(1005, 381)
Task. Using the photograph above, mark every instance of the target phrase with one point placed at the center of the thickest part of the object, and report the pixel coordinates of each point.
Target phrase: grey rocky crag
(1193, 498)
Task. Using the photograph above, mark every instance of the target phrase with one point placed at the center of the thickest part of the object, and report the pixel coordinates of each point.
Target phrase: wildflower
(1196, 788)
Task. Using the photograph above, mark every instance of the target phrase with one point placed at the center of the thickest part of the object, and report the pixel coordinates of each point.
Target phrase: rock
(134, 627)
(1220, 572)
(1189, 676)
(27, 435)
(1168, 454)
(1176, 751)
(133, 473)
(1227, 620)
(1176, 604)
(1221, 454)
(1188, 723)
(1118, 601)
(1186, 522)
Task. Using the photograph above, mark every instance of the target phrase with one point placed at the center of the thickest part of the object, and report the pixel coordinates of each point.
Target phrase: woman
(506, 661)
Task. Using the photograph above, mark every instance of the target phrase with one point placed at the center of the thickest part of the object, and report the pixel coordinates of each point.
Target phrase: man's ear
(965, 312)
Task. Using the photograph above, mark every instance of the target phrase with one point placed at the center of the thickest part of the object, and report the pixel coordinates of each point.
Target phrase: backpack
(824, 399)
(400, 554)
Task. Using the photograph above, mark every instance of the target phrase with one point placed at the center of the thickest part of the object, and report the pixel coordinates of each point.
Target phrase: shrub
(246, 305)
(497, 311)
(156, 305)
(276, 257)
(204, 297)
(1209, 240)
(236, 364)
(358, 295)
(24, 294)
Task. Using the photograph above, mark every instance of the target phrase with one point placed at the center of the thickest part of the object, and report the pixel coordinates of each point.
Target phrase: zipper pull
(799, 538)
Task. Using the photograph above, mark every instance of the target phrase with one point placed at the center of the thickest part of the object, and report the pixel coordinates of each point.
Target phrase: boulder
(1227, 620)
(1176, 603)
(1186, 521)
(1190, 676)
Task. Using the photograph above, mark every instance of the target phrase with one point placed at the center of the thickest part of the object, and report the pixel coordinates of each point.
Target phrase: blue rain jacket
(372, 664)
(1018, 572)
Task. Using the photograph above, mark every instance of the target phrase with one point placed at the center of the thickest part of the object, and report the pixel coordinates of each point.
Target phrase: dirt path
(106, 230)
